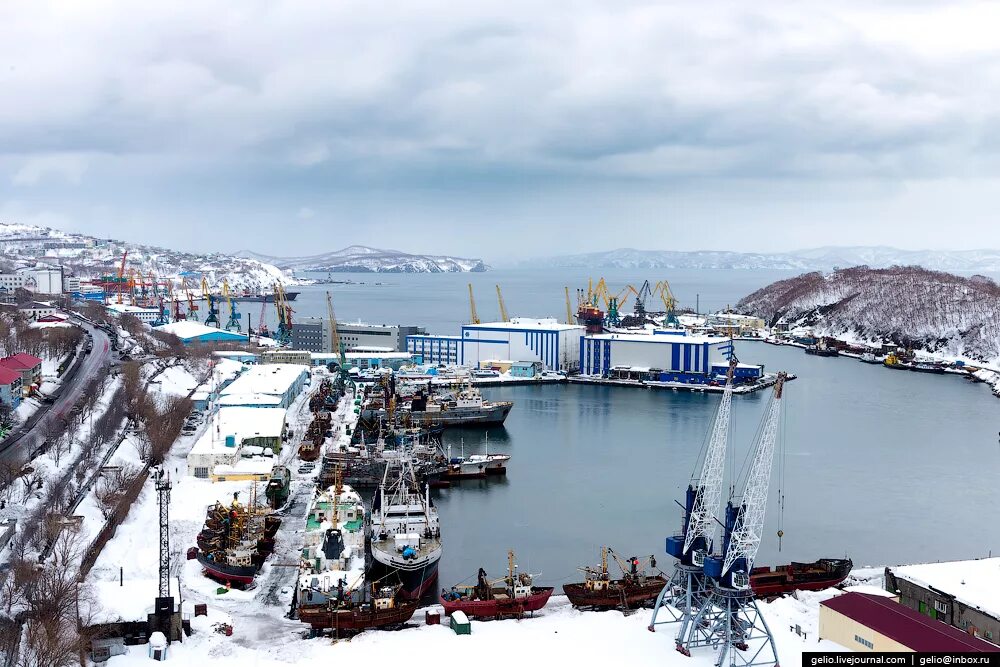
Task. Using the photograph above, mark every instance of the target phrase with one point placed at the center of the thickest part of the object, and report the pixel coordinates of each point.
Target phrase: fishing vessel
(634, 589)
(236, 540)
(821, 349)
(513, 597)
(825, 573)
(348, 611)
(466, 408)
(405, 534)
(475, 466)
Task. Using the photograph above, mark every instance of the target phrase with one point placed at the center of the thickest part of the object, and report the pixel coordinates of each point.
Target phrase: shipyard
(612, 334)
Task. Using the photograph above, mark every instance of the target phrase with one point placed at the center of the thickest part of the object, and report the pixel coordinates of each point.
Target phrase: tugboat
(769, 582)
(405, 533)
(349, 611)
(511, 599)
(278, 487)
(600, 591)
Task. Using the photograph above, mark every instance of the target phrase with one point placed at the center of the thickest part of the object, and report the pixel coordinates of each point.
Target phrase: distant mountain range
(825, 258)
(363, 259)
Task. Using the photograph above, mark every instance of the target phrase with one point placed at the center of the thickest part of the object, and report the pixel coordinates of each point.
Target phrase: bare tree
(112, 487)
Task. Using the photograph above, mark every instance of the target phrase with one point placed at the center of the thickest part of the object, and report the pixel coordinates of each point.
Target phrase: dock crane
(641, 295)
(685, 593)
(121, 277)
(175, 299)
(284, 333)
(669, 303)
(337, 345)
(569, 309)
(192, 312)
(262, 320)
(503, 308)
(472, 308)
(233, 323)
(212, 319)
(730, 621)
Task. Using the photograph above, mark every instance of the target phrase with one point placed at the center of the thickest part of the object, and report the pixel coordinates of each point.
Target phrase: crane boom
(503, 308)
(334, 335)
(703, 519)
(472, 307)
(747, 532)
(569, 310)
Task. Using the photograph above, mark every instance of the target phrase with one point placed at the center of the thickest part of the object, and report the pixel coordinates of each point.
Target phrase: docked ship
(821, 349)
(825, 573)
(509, 597)
(634, 589)
(475, 466)
(467, 408)
(347, 612)
(405, 540)
(235, 541)
(259, 297)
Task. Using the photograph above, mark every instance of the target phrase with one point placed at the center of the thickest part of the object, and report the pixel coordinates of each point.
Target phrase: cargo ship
(235, 541)
(259, 297)
(769, 582)
(405, 539)
(467, 408)
(512, 598)
(634, 589)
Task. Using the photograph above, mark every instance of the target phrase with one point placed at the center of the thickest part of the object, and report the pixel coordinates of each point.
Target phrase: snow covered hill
(89, 257)
(363, 259)
(812, 259)
(910, 306)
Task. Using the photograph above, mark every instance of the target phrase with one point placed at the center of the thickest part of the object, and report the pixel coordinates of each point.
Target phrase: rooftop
(7, 376)
(904, 625)
(274, 379)
(20, 361)
(242, 423)
(249, 399)
(128, 308)
(188, 329)
(659, 338)
(534, 323)
(974, 583)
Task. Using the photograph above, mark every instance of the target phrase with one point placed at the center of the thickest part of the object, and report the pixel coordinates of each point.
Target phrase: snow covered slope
(910, 306)
(87, 257)
(362, 259)
(820, 259)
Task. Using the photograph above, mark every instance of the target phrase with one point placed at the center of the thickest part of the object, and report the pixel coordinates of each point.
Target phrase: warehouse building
(963, 594)
(661, 357)
(238, 444)
(365, 360)
(874, 623)
(285, 381)
(553, 344)
(147, 315)
(313, 334)
(191, 332)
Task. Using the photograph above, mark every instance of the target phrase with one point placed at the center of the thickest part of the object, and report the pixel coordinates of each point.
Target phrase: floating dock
(763, 383)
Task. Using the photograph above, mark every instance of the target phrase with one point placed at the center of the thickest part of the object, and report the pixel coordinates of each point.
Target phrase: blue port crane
(729, 620)
(212, 319)
(233, 323)
(686, 591)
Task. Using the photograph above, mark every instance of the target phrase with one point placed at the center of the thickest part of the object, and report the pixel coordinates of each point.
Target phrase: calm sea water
(882, 466)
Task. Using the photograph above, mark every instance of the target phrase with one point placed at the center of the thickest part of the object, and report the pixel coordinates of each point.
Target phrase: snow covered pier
(767, 380)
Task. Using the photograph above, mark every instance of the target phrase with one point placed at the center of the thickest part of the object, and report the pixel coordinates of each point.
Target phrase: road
(19, 446)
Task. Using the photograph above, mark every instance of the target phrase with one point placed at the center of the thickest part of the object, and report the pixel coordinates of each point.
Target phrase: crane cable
(781, 475)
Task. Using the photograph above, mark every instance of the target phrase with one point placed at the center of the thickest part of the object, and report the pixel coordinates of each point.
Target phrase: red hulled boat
(825, 573)
(512, 598)
(600, 591)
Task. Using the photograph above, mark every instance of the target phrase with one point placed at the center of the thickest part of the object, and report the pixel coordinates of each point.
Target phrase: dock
(765, 382)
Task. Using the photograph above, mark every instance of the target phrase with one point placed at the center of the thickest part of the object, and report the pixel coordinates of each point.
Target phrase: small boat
(825, 573)
(927, 367)
(511, 599)
(475, 466)
(348, 611)
(599, 591)
(869, 358)
(822, 350)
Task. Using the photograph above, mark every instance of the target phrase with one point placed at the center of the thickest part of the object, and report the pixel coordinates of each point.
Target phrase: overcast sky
(501, 129)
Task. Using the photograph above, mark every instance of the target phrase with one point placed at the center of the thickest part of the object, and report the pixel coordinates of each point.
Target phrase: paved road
(21, 445)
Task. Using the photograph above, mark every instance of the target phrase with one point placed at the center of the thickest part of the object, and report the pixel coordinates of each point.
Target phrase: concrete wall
(850, 634)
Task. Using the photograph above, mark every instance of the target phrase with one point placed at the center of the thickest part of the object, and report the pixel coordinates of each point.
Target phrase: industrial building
(194, 332)
(365, 360)
(662, 356)
(283, 356)
(147, 315)
(313, 334)
(874, 623)
(38, 279)
(285, 381)
(238, 444)
(555, 345)
(963, 594)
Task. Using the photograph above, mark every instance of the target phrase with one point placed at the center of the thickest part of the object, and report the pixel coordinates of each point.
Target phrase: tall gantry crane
(685, 593)
(212, 319)
(503, 308)
(262, 320)
(729, 620)
(121, 277)
(192, 311)
(233, 323)
(474, 316)
(669, 303)
(284, 333)
(336, 344)
(569, 309)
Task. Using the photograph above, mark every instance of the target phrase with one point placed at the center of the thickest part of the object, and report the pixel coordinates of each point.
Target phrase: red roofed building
(10, 387)
(863, 622)
(28, 366)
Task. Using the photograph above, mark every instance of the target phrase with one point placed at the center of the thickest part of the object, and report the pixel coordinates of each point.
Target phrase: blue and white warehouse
(555, 345)
(665, 358)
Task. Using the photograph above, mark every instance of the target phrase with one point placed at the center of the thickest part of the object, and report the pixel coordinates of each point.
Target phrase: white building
(147, 315)
(553, 344)
(234, 434)
(680, 357)
(285, 381)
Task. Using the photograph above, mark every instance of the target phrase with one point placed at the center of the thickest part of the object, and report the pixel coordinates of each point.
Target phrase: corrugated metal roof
(904, 625)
